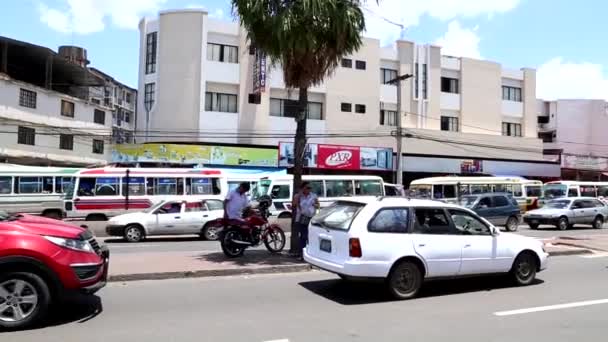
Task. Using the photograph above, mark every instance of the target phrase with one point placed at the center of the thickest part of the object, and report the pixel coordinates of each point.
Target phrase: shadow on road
(252, 258)
(156, 239)
(78, 309)
(359, 293)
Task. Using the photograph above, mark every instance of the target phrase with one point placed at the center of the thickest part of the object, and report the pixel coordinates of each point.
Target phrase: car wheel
(524, 269)
(133, 233)
(563, 223)
(598, 222)
(211, 232)
(24, 299)
(533, 226)
(512, 224)
(404, 280)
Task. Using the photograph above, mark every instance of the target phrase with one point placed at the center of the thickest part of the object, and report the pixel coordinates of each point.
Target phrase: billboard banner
(338, 157)
(195, 154)
(471, 166)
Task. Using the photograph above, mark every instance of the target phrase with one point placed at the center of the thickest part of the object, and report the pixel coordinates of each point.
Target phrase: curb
(209, 273)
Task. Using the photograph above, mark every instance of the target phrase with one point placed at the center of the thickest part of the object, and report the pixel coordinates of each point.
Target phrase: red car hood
(31, 224)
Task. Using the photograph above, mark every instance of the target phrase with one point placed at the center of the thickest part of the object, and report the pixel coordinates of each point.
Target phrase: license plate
(534, 221)
(325, 246)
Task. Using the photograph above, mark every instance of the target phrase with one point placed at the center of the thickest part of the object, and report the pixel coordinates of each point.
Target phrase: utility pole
(399, 134)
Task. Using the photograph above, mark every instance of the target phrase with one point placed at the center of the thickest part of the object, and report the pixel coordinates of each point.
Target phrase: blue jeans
(303, 228)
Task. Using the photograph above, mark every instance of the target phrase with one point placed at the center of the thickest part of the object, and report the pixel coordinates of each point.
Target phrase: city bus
(34, 189)
(559, 189)
(526, 192)
(101, 193)
(327, 188)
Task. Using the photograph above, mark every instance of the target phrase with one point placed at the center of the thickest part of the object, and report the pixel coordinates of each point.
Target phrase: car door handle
(205, 215)
(421, 244)
(467, 245)
(177, 217)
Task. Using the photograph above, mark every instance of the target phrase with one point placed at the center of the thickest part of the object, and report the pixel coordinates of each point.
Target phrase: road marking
(551, 307)
(283, 340)
(134, 245)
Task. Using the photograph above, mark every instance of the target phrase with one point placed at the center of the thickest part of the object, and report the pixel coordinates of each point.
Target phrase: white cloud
(89, 16)
(409, 12)
(217, 14)
(559, 79)
(459, 41)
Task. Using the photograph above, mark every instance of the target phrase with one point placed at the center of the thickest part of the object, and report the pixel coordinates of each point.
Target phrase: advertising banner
(195, 154)
(471, 166)
(338, 157)
(584, 163)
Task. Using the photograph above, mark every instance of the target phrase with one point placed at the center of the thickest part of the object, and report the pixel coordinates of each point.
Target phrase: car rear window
(338, 216)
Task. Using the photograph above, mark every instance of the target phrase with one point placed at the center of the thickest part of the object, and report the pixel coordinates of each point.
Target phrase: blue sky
(565, 40)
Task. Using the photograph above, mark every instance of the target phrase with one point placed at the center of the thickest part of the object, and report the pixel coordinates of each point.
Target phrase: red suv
(41, 261)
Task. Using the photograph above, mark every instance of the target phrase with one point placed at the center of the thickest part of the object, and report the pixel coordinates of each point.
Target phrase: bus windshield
(421, 190)
(262, 188)
(555, 190)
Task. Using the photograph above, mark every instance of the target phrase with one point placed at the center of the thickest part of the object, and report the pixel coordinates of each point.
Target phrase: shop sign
(584, 163)
(259, 72)
(338, 157)
(194, 154)
(471, 166)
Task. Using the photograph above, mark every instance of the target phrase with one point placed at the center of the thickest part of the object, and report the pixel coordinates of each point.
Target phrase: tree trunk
(298, 167)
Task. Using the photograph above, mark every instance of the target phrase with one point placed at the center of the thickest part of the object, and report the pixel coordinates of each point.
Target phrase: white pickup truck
(169, 217)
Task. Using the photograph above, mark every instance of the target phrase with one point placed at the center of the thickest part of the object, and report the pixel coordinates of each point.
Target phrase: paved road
(317, 306)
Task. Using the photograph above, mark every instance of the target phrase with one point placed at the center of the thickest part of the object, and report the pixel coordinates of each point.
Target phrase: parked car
(500, 209)
(406, 242)
(564, 213)
(43, 261)
(169, 217)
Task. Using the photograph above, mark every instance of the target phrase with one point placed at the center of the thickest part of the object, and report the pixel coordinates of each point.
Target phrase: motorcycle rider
(236, 202)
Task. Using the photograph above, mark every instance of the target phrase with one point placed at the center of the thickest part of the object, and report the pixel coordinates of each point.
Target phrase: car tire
(524, 269)
(563, 224)
(405, 280)
(133, 233)
(598, 222)
(210, 232)
(533, 226)
(512, 224)
(33, 288)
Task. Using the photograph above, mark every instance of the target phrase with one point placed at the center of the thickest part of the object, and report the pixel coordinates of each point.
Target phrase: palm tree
(308, 39)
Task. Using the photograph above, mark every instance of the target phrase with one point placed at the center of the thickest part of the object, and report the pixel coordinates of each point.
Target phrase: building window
(255, 98)
(387, 75)
(151, 40)
(360, 108)
(218, 102)
(449, 123)
(449, 85)
(424, 80)
(346, 107)
(128, 97)
(347, 63)
(149, 96)
(511, 94)
(66, 142)
(26, 136)
(511, 129)
(222, 53)
(127, 117)
(360, 65)
(27, 98)
(388, 118)
(67, 108)
(99, 117)
(289, 109)
(97, 146)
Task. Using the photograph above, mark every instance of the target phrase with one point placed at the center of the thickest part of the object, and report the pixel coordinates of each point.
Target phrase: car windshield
(338, 215)
(154, 207)
(561, 204)
(555, 190)
(468, 201)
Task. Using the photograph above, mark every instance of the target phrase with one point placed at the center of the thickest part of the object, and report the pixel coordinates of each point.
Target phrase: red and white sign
(338, 157)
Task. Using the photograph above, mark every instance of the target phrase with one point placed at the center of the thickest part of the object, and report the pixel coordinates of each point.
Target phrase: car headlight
(77, 245)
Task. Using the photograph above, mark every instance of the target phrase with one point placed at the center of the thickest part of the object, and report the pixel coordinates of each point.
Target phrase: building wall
(481, 97)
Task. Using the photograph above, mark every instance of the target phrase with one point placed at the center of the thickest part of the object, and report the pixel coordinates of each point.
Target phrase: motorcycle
(254, 229)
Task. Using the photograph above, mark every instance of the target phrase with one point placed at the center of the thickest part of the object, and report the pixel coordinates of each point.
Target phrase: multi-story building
(46, 115)
(455, 110)
(574, 132)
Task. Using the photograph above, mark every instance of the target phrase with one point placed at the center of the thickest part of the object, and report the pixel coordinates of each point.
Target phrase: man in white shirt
(236, 202)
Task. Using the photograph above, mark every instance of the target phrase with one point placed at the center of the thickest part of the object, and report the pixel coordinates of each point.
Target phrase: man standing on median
(236, 202)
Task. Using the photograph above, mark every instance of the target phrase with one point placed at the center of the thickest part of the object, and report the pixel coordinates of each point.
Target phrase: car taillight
(354, 248)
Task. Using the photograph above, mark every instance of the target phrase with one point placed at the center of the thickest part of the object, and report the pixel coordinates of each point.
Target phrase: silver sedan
(566, 212)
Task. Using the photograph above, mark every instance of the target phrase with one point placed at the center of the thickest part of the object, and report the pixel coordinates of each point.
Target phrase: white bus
(449, 189)
(559, 189)
(34, 189)
(328, 188)
(105, 192)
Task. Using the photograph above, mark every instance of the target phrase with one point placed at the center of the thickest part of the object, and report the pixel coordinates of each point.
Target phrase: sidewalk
(166, 265)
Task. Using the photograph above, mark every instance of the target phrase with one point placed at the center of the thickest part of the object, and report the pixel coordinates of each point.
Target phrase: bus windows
(164, 186)
(47, 185)
(28, 185)
(280, 192)
(62, 184)
(198, 186)
(316, 187)
(106, 186)
(573, 192)
(479, 188)
(137, 186)
(6, 185)
(368, 188)
(517, 190)
(86, 187)
(500, 188)
(339, 188)
(444, 191)
(588, 191)
(534, 190)
(602, 190)
(463, 189)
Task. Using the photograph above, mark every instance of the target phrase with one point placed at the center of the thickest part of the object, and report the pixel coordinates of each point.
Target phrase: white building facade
(196, 80)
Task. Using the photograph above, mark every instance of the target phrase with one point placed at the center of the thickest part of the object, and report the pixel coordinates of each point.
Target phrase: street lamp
(399, 134)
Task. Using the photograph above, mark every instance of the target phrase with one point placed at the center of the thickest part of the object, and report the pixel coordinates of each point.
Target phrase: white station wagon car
(169, 217)
(408, 241)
